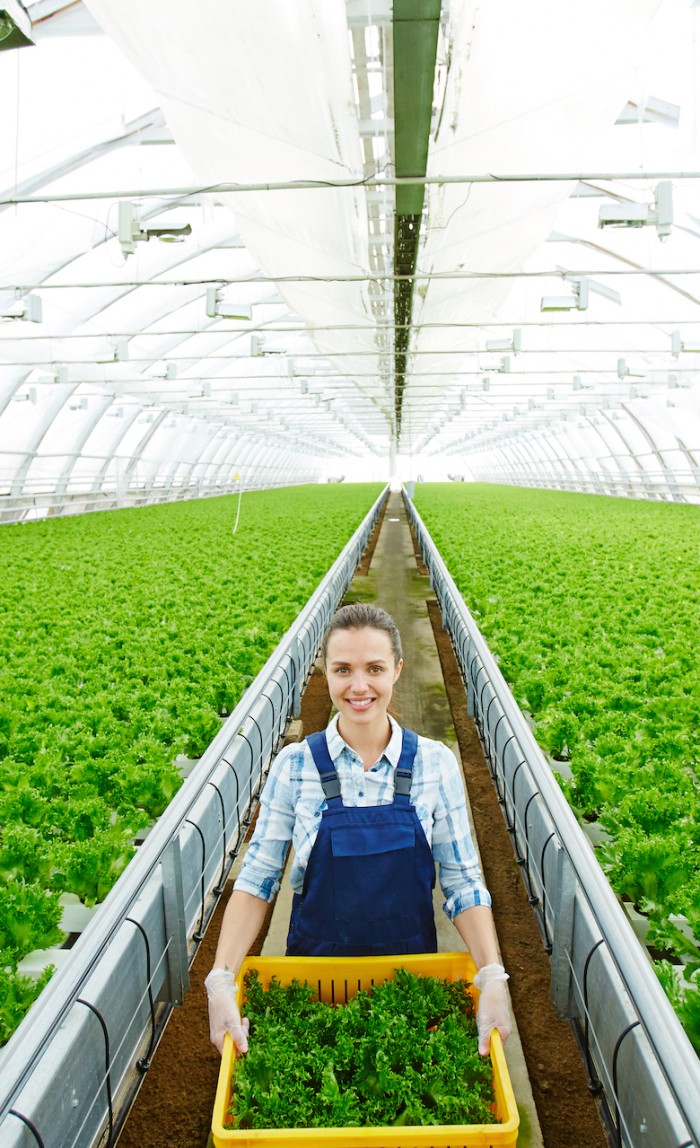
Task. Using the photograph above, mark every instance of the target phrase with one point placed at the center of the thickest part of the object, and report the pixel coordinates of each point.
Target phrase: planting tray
(338, 979)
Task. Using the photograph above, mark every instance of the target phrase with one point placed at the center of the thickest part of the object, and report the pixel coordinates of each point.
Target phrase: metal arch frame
(607, 458)
(671, 484)
(251, 452)
(71, 460)
(51, 409)
(524, 450)
(198, 461)
(558, 462)
(590, 458)
(148, 120)
(626, 485)
(601, 978)
(564, 459)
(12, 388)
(99, 480)
(270, 460)
(170, 474)
(694, 465)
(208, 461)
(581, 476)
(144, 123)
(687, 454)
(628, 450)
(518, 465)
(135, 460)
(544, 459)
(590, 479)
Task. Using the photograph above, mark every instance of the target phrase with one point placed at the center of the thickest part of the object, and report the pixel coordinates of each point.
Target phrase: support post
(175, 925)
(296, 657)
(562, 932)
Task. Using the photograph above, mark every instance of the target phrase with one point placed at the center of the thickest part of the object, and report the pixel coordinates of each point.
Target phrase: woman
(370, 809)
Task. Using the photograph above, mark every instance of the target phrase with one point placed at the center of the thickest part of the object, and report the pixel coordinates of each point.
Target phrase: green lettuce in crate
(404, 1053)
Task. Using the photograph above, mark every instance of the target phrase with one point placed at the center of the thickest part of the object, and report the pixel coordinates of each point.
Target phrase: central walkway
(420, 702)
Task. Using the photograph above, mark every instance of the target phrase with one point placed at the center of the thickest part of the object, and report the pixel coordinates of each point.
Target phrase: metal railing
(70, 1071)
(636, 1052)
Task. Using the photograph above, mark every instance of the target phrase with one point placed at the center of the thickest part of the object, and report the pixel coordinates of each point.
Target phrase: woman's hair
(360, 616)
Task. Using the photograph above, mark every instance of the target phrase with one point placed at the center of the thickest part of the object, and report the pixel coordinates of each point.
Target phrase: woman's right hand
(224, 1014)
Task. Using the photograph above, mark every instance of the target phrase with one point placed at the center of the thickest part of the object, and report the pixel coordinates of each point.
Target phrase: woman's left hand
(493, 1011)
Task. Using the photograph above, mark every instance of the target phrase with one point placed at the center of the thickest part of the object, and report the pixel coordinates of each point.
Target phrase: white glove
(224, 1015)
(493, 1005)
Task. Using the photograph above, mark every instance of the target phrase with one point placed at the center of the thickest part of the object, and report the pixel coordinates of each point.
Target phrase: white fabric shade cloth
(126, 387)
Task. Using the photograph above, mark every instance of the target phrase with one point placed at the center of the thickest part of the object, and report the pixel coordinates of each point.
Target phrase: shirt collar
(392, 752)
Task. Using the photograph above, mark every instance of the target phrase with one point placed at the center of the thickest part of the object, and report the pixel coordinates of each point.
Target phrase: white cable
(238, 511)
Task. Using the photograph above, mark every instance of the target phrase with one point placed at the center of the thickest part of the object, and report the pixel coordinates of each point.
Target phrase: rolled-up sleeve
(460, 874)
(266, 855)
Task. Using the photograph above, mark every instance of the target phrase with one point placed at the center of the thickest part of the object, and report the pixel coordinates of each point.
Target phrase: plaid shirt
(292, 802)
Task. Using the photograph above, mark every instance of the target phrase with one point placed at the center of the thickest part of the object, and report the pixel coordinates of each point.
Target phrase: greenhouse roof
(267, 244)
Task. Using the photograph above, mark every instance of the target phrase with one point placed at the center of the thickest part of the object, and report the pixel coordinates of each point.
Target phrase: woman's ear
(397, 669)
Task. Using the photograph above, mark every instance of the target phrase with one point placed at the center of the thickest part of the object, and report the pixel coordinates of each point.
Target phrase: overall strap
(330, 782)
(404, 770)
(324, 764)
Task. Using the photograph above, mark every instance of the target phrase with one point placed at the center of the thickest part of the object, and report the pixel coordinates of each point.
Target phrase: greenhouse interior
(391, 301)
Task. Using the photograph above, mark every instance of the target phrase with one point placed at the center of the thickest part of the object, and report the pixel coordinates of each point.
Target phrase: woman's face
(361, 671)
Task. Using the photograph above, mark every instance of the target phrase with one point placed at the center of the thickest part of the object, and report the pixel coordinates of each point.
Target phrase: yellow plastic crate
(338, 979)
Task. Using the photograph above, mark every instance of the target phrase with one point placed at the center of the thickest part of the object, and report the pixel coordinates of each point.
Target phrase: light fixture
(162, 370)
(625, 372)
(218, 308)
(15, 26)
(513, 344)
(593, 285)
(578, 301)
(120, 351)
(678, 344)
(28, 396)
(504, 368)
(130, 232)
(28, 309)
(659, 216)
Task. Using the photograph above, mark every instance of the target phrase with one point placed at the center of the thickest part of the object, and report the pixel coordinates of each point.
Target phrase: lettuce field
(126, 638)
(591, 606)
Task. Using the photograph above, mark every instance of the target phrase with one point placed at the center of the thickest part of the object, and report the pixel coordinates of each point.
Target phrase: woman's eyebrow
(371, 662)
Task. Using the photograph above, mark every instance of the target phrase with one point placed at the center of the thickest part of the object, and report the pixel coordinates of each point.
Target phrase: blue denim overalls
(370, 875)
